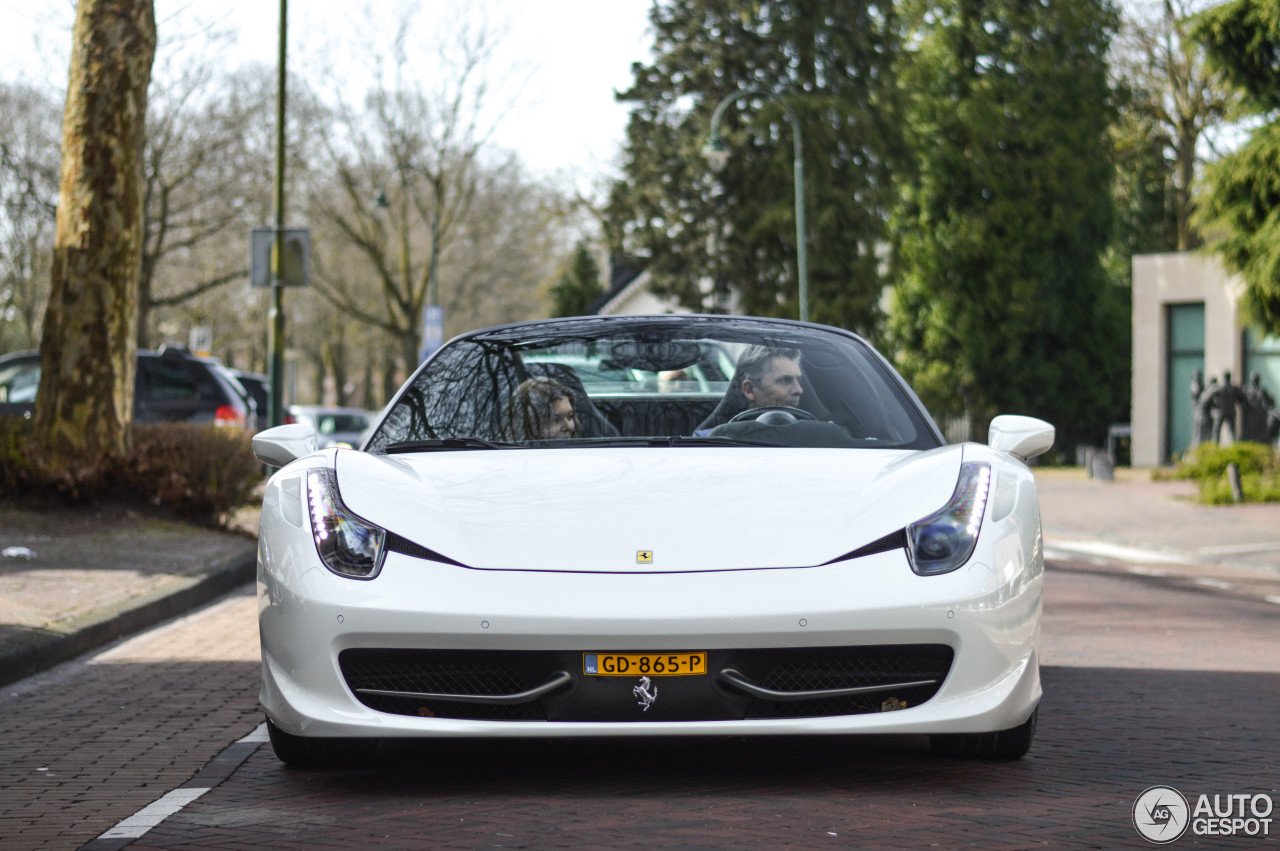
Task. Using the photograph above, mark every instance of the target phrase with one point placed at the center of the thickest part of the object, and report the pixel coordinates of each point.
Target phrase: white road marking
(1214, 583)
(1146, 571)
(152, 814)
(1236, 549)
(1115, 551)
(258, 736)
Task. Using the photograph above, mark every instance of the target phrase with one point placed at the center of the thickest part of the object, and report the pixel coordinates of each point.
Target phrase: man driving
(770, 377)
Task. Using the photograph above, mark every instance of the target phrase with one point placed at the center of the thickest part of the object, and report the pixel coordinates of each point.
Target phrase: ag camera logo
(1161, 814)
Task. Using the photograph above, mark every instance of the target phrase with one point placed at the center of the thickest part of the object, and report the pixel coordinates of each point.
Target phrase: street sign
(200, 341)
(296, 269)
(432, 331)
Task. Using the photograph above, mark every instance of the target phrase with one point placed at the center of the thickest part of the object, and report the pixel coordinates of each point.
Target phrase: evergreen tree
(715, 240)
(579, 286)
(1243, 197)
(1144, 197)
(1003, 303)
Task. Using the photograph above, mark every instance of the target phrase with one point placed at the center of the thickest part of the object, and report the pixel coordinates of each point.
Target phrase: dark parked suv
(171, 386)
(259, 389)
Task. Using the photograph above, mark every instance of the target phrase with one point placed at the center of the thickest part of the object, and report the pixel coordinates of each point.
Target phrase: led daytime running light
(347, 544)
(978, 503)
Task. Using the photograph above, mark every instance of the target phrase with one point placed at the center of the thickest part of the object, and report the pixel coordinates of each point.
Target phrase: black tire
(1004, 744)
(313, 752)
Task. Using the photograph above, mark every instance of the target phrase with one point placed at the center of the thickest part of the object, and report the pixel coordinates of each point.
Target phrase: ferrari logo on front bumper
(646, 697)
(644, 557)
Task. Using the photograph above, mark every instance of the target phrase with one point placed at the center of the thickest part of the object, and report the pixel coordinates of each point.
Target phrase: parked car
(723, 561)
(171, 385)
(259, 388)
(333, 426)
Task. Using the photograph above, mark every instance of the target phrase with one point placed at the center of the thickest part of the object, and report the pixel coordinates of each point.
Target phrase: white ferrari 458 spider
(651, 526)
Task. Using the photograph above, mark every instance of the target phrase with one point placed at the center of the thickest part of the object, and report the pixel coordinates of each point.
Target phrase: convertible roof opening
(655, 381)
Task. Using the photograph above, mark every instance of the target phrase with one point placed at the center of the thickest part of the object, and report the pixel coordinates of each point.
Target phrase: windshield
(655, 380)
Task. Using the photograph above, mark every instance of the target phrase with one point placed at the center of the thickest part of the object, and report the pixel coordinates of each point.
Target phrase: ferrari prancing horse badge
(646, 697)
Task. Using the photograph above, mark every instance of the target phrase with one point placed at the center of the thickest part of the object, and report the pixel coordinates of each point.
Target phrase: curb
(39, 651)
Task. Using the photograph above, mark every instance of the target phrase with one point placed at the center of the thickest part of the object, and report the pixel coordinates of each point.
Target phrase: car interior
(656, 388)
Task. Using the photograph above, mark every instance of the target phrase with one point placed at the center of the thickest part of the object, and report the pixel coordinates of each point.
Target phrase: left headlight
(942, 542)
(348, 545)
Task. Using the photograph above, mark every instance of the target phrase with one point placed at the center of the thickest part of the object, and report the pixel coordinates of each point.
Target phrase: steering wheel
(773, 415)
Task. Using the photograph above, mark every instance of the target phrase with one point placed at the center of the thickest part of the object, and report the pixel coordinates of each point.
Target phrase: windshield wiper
(679, 440)
(454, 443)
(716, 440)
(446, 443)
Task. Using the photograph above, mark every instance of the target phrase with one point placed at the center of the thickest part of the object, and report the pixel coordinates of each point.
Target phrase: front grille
(591, 698)
(462, 672)
(846, 667)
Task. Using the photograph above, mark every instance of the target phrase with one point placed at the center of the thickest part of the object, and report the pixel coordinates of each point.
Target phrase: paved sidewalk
(1138, 526)
(96, 576)
(93, 576)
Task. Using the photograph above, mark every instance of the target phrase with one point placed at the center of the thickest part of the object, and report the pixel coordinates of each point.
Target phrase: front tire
(316, 752)
(1004, 744)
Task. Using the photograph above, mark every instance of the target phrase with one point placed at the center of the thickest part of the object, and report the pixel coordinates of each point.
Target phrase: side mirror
(1021, 437)
(282, 444)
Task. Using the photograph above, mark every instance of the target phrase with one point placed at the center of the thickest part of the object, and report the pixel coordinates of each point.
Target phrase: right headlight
(347, 544)
(943, 541)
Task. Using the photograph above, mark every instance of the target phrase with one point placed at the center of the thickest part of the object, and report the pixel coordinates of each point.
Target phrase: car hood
(596, 510)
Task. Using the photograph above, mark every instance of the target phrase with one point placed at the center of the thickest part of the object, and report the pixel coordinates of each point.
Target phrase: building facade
(1186, 319)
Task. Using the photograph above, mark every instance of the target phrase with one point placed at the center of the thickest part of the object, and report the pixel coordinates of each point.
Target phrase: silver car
(333, 426)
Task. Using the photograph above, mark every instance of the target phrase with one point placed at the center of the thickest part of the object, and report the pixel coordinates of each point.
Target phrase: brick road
(1146, 683)
(89, 743)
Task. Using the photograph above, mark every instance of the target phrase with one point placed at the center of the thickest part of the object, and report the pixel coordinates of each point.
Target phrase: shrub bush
(1206, 465)
(199, 473)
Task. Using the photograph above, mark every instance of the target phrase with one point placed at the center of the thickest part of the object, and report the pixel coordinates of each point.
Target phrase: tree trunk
(367, 400)
(144, 311)
(409, 350)
(85, 402)
(338, 368)
(318, 360)
(1188, 136)
(390, 377)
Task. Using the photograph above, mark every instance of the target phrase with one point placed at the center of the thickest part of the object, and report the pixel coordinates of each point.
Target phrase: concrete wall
(1160, 280)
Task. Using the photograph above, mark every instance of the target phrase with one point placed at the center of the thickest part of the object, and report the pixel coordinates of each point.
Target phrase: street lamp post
(716, 152)
(275, 328)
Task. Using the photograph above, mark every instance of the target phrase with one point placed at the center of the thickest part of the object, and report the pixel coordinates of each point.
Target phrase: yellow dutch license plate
(681, 664)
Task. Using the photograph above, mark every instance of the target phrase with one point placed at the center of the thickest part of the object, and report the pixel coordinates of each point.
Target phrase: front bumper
(988, 618)
(524, 685)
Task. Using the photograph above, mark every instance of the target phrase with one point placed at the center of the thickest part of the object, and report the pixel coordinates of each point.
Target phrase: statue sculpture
(1218, 404)
(1201, 417)
(1257, 412)
(1223, 400)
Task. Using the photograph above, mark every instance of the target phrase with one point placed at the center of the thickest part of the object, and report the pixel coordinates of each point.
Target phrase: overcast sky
(573, 54)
